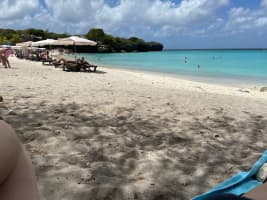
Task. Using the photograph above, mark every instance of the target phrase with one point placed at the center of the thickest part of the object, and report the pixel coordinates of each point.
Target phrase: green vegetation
(109, 43)
(106, 42)
(9, 36)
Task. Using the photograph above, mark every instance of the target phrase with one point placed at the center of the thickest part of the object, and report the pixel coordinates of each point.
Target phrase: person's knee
(10, 150)
(17, 178)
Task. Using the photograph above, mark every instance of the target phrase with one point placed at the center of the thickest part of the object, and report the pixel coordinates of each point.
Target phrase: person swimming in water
(185, 59)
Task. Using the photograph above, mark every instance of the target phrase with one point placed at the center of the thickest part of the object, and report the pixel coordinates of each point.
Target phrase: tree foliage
(96, 34)
(9, 36)
(106, 42)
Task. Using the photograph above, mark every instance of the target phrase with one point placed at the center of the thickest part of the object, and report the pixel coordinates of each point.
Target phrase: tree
(106, 42)
(15, 38)
(3, 39)
(95, 34)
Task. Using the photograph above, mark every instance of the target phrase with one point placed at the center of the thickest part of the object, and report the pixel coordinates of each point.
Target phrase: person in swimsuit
(4, 57)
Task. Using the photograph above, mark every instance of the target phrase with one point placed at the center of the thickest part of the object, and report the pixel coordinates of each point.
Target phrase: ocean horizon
(234, 67)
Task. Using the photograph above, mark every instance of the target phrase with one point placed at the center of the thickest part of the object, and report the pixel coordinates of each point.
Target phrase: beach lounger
(47, 61)
(85, 66)
(241, 183)
(77, 65)
(71, 66)
(58, 63)
(88, 67)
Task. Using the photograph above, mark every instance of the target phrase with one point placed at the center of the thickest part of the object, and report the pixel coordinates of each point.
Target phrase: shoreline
(191, 81)
(169, 81)
(118, 134)
(222, 81)
(227, 82)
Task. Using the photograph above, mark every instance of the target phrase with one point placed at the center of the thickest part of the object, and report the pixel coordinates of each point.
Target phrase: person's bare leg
(4, 61)
(17, 179)
(7, 62)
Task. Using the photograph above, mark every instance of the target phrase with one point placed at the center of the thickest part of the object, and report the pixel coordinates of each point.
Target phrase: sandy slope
(119, 134)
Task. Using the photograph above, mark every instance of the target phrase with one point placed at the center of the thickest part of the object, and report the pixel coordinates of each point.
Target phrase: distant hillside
(9, 36)
(109, 43)
(106, 42)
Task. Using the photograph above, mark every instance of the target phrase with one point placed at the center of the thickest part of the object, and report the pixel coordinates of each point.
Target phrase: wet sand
(119, 134)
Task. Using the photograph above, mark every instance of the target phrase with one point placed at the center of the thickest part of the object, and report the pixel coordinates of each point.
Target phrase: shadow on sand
(82, 154)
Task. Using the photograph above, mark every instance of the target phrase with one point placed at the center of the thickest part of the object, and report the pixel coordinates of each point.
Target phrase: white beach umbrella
(75, 41)
(24, 44)
(42, 43)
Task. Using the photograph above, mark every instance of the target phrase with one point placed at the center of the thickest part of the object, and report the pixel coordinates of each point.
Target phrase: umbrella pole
(74, 50)
(74, 47)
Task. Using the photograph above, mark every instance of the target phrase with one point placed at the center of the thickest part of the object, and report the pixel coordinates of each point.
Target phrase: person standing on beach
(2, 60)
(8, 52)
(4, 57)
(47, 54)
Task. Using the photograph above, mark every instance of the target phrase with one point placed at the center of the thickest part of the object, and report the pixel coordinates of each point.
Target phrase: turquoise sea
(234, 67)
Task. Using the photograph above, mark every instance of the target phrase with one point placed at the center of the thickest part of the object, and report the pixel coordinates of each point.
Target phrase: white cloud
(159, 13)
(14, 9)
(134, 15)
(245, 19)
(261, 22)
(186, 13)
(169, 19)
(149, 18)
(74, 10)
(264, 3)
(138, 13)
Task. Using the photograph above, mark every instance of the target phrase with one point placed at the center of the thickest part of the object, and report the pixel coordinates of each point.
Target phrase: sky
(175, 23)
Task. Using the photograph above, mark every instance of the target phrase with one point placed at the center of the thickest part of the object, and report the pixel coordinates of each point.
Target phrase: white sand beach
(118, 134)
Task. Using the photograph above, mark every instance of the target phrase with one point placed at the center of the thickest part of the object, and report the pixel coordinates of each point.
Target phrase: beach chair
(47, 61)
(71, 66)
(88, 67)
(77, 65)
(248, 184)
(58, 63)
(85, 66)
